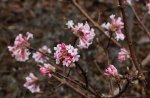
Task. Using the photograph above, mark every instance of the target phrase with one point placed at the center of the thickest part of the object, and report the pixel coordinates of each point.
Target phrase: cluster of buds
(115, 26)
(83, 32)
(39, 56)
(123, 55)
(20, 50)
(111, 71)
(32, 83)
(47, 69)
(66, 54)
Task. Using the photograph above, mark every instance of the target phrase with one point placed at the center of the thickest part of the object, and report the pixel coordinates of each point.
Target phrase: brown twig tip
(140, 22)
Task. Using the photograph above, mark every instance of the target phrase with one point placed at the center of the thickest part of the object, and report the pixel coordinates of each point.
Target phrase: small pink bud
(39, 57)
(111, 71)
(32, 83)
(47, 69)
(123, 55)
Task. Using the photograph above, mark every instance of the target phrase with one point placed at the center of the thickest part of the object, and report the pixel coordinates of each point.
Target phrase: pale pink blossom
(148, 6)
(66, 54)
(39, 57)
(106, 26)
(119, 35)
(111, 71)
(116, 25)
(19, 50)
(32, 83)
(70, 24)
(47, 69)
(84, 32)
(123, 55)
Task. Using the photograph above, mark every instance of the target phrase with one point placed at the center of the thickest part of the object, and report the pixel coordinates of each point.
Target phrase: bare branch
(140, 22)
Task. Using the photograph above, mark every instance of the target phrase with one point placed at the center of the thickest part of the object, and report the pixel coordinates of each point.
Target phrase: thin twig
(83, 73)
(31, 48)
(72, 87)
(105, 50)
(141, 23)
(123, 90)
(111, 87)
(97, 67)
(77, 83)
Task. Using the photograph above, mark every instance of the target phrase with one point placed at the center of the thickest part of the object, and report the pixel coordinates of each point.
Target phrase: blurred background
(46, 19)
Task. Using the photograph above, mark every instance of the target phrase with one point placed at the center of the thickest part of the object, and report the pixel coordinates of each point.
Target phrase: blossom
(116, 25)
(111, 71)
(120, 35)
(70, 24)
(47, 69)
(84, 32)
(107, 25)
(39, 57)
(66, 54)
(123, 55)
(32, 83)
(148, 6)
(19, 50)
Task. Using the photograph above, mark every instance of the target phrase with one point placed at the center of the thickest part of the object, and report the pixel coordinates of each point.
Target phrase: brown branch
(140, 22)
(83, 73)
(72, 87)
(97, 67)
(77, 83)
(123, 90)
(128, 39)
(105, 50)
(94, 23)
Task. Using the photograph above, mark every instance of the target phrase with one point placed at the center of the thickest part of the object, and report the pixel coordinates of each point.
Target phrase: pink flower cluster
(66, 54)
(115, 26)
(148, 6)
(19, 50)
(84, 32)
(123, 55)
(111, 71)
(47, 69)
(32, 83)
(39, 57)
